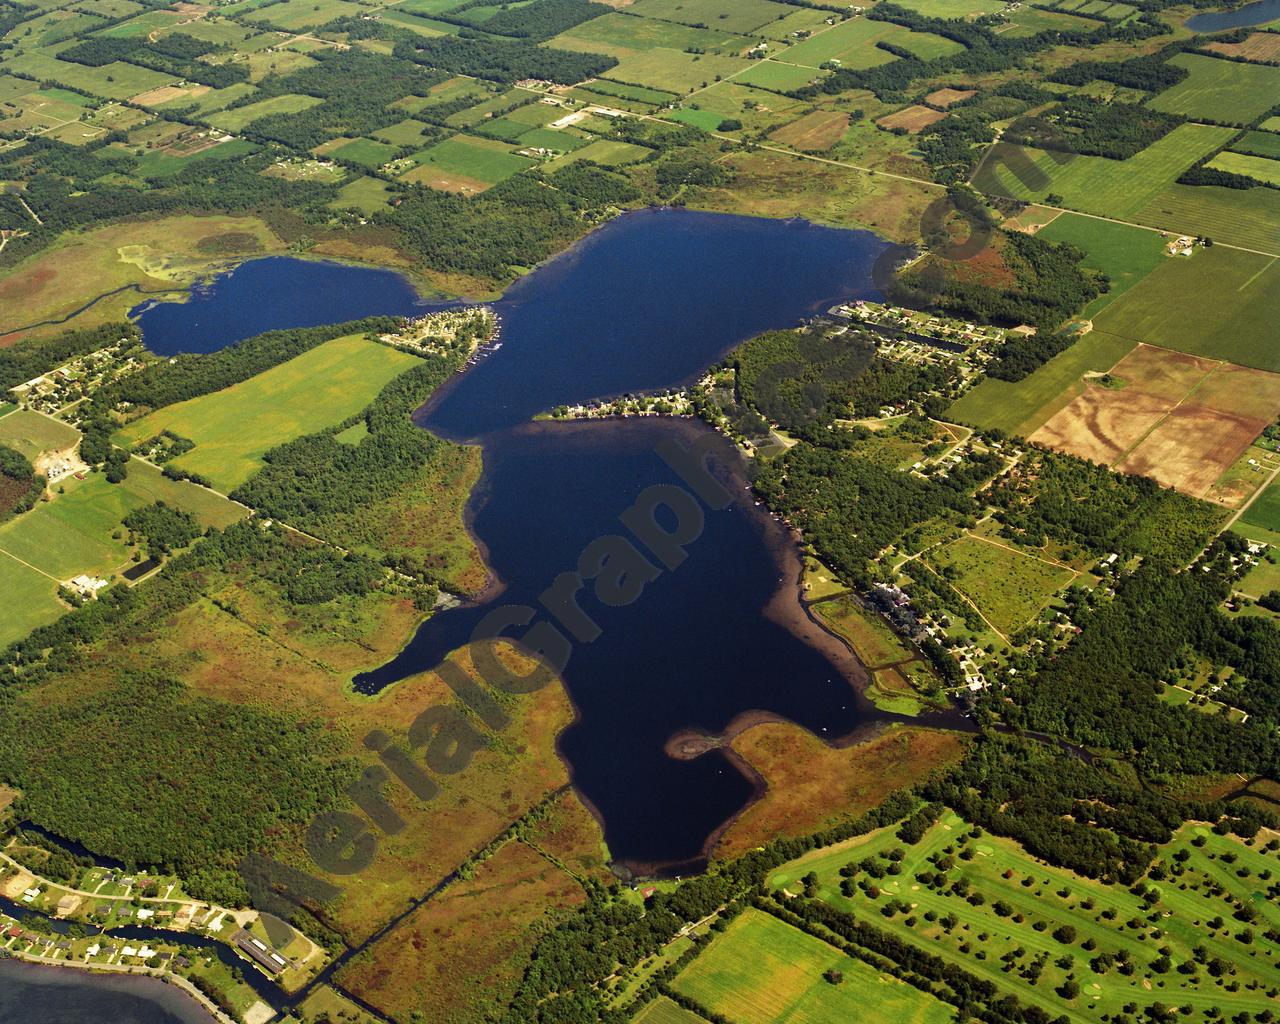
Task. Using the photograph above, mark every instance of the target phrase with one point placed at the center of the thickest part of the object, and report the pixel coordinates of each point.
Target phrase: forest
(1047, 285)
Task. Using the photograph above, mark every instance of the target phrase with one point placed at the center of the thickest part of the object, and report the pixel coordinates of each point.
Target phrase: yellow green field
(232, 429)
(1112, 188)
(760, 970)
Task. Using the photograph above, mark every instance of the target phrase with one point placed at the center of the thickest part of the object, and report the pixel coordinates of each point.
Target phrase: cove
(274, 293)
(1258, 13)
(648, 301)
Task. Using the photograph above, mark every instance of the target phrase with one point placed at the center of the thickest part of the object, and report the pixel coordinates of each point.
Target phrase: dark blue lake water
(1258, 13)
(58, 996)
(270, 294)
(648, 301)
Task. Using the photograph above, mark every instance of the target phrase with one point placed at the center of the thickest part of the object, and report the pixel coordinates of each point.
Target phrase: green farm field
(672, 69)
(1009, 587)
(1265, 510)
(853, 44)
(32, 433)
(75, 532)
(950, 9)
(622, 35)
(232, 429)
(1238, 326)
(745, 16)
(1124, 253)
(1259, 144)
(467, 160)
(364, 152)
(663, 1011)
(29, 598)
(366, 194)
(1260, 168)
(116, 81)
(607, 152)
(1023, 407)
(760, 970)
(779, 75)
(1021, 913)
(241, 117)
(1245, 217)
(1112, 188)
(1228, 91)
(299, 14)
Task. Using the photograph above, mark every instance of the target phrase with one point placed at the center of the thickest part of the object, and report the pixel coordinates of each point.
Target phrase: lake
(648, 301)
(1258, 13)
(273, 293)
(51, 995)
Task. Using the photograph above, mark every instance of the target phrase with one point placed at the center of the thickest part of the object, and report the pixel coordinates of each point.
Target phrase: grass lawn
(1265, 576)
(233, 428)
(1022, 408)
(1218, 303)
(1112, 188)
(1009, 587)
(870, 635)
(32, 433)
(1039, 899)
(760, 970)
(1228, 91)
(1125, 254)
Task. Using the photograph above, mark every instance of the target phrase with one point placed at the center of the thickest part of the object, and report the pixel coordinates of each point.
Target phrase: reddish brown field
(1102, 424)
(814, 132)
(811, 784)
(945, 97)
(1182, 420)
(1261, 46)
(464, 951)
(914, 118)
(1160, 373)
(1192, 447)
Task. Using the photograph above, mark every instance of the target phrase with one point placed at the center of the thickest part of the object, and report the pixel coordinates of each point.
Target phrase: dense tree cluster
(539, 20)
(1082, 124)
(502, 60)
(1050, 495)
(175, 54)
(850, 509)
(1047, 285)
(20, 487)
(163, 527)
(1103, 689)
(19, 363)
(116, 770)
(1017, 357)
